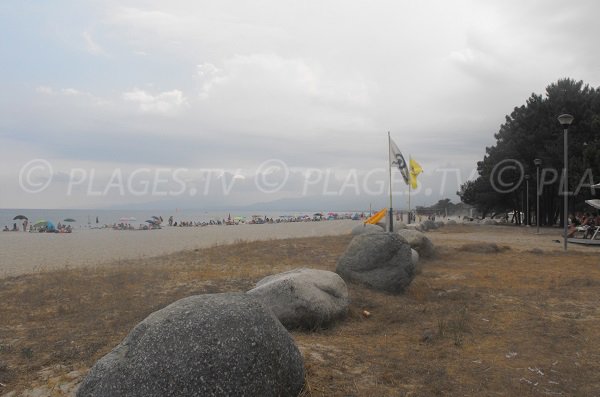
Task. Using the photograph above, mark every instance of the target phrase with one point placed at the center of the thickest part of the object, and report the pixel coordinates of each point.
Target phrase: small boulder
(415, 226)
(366, 228)
(380, 261)
(218, 345)
(399, 226)
(419, 241)
(428, 225)
(304, 298)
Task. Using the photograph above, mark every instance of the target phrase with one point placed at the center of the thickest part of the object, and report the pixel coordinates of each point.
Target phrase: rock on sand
(217, 345)
(428, 225)
(419, 242)
(366, 228)
(304, 298)
(381, 261)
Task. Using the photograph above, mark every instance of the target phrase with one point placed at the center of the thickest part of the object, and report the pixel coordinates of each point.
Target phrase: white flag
(397, 159)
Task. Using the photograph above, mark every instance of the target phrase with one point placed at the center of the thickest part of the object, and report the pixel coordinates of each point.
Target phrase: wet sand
(22, 253)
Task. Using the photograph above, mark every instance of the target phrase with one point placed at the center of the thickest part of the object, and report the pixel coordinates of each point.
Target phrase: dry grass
(506, 323)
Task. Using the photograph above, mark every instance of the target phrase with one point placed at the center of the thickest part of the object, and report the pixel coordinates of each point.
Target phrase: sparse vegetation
(512, 323)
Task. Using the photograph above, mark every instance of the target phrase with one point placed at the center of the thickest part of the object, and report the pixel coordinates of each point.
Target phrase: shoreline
(24, 253)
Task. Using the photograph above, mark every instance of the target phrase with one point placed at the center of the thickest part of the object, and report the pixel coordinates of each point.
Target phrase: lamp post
(527, 222)
(565, 120)
(538, 163)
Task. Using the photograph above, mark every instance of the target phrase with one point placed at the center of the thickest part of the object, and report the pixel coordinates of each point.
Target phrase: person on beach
(6, 229)
(25, 222)
(573, 224)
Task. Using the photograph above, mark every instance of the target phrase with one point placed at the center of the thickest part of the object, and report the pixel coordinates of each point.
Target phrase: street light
(527, 200)
(565, 120)
(538, 163)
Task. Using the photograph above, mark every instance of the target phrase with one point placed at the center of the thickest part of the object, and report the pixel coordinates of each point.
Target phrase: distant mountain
(299, 204)
(317, 203)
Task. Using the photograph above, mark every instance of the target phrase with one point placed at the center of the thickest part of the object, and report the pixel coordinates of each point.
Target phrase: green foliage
(532, 131)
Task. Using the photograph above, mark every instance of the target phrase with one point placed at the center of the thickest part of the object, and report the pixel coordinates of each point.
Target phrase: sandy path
(519, 238)
(28, 252)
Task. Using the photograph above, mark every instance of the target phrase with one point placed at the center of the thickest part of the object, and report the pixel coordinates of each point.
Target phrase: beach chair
(596, 233)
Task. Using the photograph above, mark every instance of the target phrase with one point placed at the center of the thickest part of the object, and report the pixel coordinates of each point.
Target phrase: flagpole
(409, 181)
(391, 223)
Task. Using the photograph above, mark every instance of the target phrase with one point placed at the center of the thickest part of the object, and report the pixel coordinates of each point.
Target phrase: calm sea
(94, 218)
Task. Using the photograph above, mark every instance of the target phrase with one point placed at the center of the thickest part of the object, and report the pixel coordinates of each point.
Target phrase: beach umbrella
(156, 218)
(19, 217)
(40, 222)
(151, 221)
(69, 220)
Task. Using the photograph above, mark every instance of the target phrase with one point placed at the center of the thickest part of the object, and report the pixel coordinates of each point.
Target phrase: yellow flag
(376, 217)
(415, 169)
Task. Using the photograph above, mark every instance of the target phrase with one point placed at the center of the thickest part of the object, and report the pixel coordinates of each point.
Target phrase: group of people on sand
(41, 229)
(15, 228)
(128, 226)
(585, 223)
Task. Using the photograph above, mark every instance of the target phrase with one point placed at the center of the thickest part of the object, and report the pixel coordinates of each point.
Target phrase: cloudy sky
(133, 102)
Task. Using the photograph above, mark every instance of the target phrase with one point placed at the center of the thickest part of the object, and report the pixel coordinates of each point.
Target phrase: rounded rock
(418, 241)
(366, 228)
(304, 298)
(380, 261)
(217, 344)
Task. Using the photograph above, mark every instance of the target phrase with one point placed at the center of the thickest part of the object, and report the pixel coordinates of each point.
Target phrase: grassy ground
(507, 323)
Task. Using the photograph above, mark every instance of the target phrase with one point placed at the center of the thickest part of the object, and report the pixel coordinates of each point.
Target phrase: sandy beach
(30, 252)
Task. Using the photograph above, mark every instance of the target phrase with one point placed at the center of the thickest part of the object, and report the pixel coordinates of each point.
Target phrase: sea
(94, 218)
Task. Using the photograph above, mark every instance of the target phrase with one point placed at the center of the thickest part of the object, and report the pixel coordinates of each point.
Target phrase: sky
(213, 104)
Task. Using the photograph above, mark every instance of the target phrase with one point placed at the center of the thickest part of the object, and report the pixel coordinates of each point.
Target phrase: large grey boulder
(419, 241)
(366, 228)
(204, 345)
(380, 261)
(304, 298)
